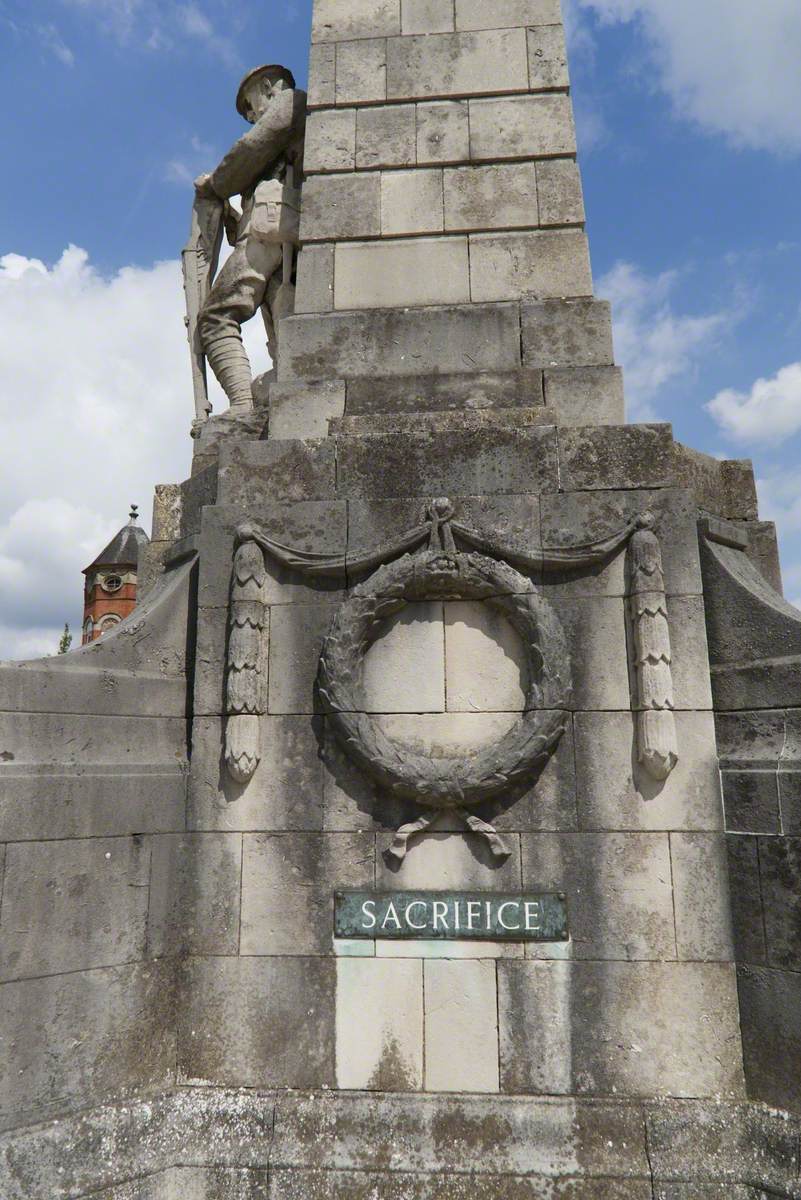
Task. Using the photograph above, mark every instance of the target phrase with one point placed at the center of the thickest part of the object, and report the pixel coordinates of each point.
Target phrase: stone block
(411, 202)
(404, 669)
(529, 266)
(195, 887)
(444, 734)
(72, 906)
(547, 58)
(454, 394)
(613, 791)
(314, 292)
(521, 127)
(447, 950)
(457, 64)
(689, 667)
(618, 887)
(725, 488)
(789, 801)
(701, 896)
(303, 411)
(322, 74)
(476, 14)
(449, 464)
(361, 71)
(567, 334)
(485, 663)
(623, 1028)
(352, 801)
(288, 883)
(255, 474)
(330, 141)
(286, 791)
(443, 132)
(258, 1022)
(379, 1024)
(212, 635)
(341, 206)
(559, 192)
(396, 274)
(492, 197)
(461, 1026)
(618, 456)
(586, 396)
(595, 628)
(395, 1185)
(75, 1040)
(546, 801)
(339, 20)
(401, 343)
(386, 137)
(426, 16)
(297, 634)
(459, 861)
(780, 878)
(770, 1011)
(66, 740)
(745, 899)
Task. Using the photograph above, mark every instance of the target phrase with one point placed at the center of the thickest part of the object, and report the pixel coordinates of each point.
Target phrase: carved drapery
(657, 747)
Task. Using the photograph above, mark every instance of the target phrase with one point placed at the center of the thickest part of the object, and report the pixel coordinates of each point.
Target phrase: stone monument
(431, 828)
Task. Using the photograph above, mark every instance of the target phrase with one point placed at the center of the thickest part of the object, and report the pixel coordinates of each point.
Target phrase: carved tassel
(246, 616)
(656, 727)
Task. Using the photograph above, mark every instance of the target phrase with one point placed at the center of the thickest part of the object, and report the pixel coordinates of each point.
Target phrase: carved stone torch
(243, 697)
(656, 727)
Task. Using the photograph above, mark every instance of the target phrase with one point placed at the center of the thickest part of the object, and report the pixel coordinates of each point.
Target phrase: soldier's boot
(228, 360)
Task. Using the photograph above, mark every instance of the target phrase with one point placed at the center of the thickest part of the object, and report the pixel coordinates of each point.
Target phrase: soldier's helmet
(272, 71)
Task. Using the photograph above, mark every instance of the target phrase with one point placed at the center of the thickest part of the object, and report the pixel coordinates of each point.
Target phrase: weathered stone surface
(322, 75)
(404, 669)
(337, 20)
(614, 793)
(494, 461)
(441, 422)
(646, 1029)
(258, 1022)
(396, 274)
(567, 334)
(361, 71)
(745, 898)
(285, 792)
(194, 894)
(724, 487)
(386, 136)
(521, 127)
(596, 638)
(332, 1185)
(484, 661)
(789, 801)
(55, 739)
(457, 64)
(288, 882)
(690, 655)
(618, 887)
(298, 411)
(699, 864)
(459, 394)
(330, 143)
(297, 633)
(636, 456)
(426, 16)
(256, 473)
(751, 801)
(86, 900)
(493, 197)
(382, 343)
(443, 132)
(315, 280)
(461, 1011)
(411, 202)
(529, 266)
(458, 862)
(770, 1004)
(547, 57)
(379, 1024)
(474, 14)
(780, 878)
(585, 396)
(77, 1039)
(342, 206)
(559, 192)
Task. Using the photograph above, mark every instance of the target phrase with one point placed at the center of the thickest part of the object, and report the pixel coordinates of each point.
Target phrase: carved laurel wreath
(446, 782)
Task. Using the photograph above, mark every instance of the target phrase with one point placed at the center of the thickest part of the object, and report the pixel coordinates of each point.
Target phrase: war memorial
(431, 830)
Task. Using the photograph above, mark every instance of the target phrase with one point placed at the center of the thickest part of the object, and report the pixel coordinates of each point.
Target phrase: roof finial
(134, 513)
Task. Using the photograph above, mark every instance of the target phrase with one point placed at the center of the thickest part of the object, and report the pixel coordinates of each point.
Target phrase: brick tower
(109, 594)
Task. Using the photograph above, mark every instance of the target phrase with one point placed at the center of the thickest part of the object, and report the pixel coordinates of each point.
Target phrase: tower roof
(124, 548)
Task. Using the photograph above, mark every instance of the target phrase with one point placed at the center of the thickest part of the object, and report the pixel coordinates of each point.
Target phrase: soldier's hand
(204, 189)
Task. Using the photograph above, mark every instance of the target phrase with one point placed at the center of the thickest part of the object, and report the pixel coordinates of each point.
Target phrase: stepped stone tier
(429, 617)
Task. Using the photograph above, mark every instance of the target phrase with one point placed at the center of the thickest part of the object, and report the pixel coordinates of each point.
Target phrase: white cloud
(768, 413)
(653, 344)
(730, 65)
(53, 42)
(160, 25)
(95, 408)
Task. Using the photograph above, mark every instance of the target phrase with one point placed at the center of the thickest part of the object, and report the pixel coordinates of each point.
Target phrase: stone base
(211, 1144)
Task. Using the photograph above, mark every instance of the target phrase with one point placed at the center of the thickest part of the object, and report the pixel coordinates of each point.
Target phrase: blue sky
(689, 117)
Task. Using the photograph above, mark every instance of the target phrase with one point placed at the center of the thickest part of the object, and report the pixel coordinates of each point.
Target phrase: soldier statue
(264, 168)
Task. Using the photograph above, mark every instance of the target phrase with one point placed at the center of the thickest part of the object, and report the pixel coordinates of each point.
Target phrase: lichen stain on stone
(392, 1074)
